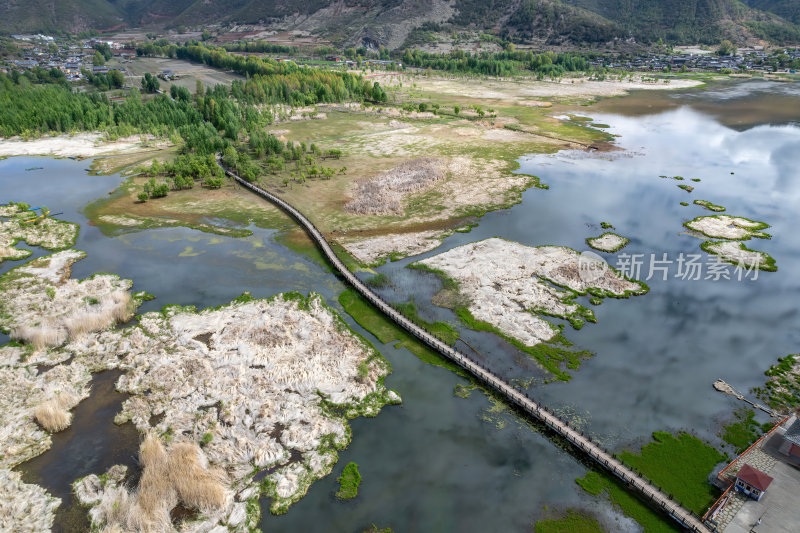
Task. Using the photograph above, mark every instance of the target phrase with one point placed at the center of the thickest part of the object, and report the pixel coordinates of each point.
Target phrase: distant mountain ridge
(389, 22)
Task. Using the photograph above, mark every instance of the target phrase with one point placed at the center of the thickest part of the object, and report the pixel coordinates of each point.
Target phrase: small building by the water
(752, 482)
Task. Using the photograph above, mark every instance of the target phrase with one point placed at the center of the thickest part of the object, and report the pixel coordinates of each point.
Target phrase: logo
(591, 267)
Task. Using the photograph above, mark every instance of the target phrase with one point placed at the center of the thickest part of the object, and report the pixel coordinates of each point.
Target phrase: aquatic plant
(349, 482)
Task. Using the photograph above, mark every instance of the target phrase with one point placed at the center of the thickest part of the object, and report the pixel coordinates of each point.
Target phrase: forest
(505, 63)
(42, 101)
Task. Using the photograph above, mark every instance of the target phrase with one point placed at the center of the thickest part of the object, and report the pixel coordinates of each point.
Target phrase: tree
(229, 157)
(726, 48)
(206, 35)
(150, 83)
(98, 59)
(143, 196)
(213, 182)
(456, 110)
(116, 77)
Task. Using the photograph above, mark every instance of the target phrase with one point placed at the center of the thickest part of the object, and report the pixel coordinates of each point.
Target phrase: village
(74, 58)
(750, 59)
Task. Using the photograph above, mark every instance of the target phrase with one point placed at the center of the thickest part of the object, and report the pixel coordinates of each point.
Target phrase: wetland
(441, 461)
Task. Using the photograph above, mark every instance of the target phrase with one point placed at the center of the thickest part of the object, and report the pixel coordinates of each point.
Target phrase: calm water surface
(442, 463)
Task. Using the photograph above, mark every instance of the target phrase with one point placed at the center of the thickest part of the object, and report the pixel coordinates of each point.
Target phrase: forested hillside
(788, 9)
(693, 20)
(389, 22)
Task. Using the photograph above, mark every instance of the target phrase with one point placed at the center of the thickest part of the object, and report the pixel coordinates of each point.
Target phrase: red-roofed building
(752, 482)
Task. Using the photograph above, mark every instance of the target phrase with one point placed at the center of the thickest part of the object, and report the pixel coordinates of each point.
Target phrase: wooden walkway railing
(581, 442)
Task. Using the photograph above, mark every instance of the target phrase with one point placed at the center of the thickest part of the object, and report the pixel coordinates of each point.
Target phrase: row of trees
(114, 79)
(262, 47)
(505, 63)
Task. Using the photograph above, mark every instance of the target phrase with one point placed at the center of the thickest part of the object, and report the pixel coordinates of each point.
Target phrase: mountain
(391, 22)
(685, 21)
(788, 9)
(22, 16)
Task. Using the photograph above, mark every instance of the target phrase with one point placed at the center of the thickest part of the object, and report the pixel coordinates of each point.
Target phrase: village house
(752, 482)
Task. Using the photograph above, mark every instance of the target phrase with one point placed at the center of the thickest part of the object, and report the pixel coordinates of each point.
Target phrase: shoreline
(80, 145)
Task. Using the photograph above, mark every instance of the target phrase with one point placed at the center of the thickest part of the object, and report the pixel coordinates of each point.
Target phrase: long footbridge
(658, 498)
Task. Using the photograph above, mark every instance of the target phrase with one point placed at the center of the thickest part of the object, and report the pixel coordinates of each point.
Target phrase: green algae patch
(708, 205)
(680, 466)
(782, 389)
(743, 431)
(372, 320)
(442, 330)
(572, 522)
(601, 484)
(349, 481)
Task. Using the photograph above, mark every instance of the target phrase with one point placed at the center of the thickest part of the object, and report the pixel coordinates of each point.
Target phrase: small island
(508, 288)
(349, 482)
(732, 250)
(740, 255)
(608, 242)
(728, 227)
(708, 205)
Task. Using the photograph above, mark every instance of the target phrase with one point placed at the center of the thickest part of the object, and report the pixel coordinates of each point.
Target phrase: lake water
(443, 463)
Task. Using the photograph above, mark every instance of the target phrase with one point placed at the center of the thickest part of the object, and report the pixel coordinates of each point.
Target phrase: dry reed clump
(382, 194)
(171, 475)
(112, 308)
(115, 507)
(198, 486)
(155, 496)
(53, 414)
(41, 336)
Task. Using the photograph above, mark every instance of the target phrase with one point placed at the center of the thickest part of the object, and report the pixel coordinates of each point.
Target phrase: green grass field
(596, 484)
(385, 331)
(572, 522)
(680, 465)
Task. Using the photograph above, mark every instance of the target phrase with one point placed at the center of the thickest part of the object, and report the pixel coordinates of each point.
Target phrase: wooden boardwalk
(581, 442)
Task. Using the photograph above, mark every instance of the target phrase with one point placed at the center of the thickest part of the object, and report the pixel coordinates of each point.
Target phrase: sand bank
(77, 145)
